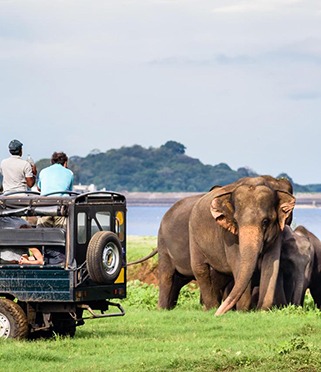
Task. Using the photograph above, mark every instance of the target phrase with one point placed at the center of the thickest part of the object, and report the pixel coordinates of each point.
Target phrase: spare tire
(104, 257)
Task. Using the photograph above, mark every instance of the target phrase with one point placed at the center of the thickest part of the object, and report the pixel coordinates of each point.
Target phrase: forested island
(163, 169)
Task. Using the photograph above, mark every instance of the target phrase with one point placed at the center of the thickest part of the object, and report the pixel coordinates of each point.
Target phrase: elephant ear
(223, 211)
(285, 208)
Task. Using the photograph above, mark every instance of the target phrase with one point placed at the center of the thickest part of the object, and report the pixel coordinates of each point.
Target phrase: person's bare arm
(30, 181)
(36, 260)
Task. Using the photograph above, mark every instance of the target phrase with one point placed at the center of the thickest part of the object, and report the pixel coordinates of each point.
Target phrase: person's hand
(34, 169)
(23, 260)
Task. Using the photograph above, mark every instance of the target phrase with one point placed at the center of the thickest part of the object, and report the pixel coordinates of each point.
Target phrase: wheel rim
(4, 326)
(110, 258)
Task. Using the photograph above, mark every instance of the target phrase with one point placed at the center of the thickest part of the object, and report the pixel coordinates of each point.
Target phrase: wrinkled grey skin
(315, 278)
(174, 256)
(174, 266)
(296, 267)
(173, 252)
(236, 229)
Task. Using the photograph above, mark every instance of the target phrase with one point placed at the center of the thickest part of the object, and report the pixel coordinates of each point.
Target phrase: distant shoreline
(155, 198)
(303, 200)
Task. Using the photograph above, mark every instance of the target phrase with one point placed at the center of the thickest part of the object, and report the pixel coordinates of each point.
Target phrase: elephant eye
(265, 223)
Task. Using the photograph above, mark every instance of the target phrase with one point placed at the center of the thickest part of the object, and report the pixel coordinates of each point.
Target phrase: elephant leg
(244, 303)
(211, 282)
(170, 282)
(210, 296)
(315, 291)
(299, 292)
(229, 286)
(170, 285)
(178, 281)
(255, 297)
(269, 276)
(281, 289)
(221, 285)
(166, 271)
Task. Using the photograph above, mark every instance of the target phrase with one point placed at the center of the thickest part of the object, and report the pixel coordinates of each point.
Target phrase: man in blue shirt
(55, 179)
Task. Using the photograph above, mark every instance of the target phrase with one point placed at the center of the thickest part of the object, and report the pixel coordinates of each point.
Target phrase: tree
(95, 152)
(163, 169)
(174, 147)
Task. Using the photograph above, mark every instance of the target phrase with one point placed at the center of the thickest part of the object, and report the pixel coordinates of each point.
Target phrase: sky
(235, 82)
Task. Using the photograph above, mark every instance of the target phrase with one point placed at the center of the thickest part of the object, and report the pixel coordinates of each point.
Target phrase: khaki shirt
(14, 171)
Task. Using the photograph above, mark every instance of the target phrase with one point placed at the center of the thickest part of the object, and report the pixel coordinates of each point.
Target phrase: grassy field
(140, 246)
(184, 339)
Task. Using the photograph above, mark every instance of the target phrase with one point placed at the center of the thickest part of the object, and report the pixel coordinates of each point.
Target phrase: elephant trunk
(250, 246)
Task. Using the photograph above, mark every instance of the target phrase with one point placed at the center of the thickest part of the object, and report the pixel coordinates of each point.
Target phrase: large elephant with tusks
(236, 230)
(173, 247)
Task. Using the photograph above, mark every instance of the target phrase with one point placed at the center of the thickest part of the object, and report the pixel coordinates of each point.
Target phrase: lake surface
(144, 221)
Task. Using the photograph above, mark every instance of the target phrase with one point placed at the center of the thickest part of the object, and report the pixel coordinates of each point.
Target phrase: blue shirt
(55, 178)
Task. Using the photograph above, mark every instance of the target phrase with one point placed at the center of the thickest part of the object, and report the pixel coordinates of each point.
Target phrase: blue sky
(235, 81)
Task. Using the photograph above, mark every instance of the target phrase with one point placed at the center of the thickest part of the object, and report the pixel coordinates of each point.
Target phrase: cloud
(305, 96)
(282, 55)
(257, 6)
(217, 59)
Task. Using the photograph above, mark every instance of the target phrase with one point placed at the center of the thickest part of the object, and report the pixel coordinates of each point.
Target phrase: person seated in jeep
(13, 222)
(54, 179)
(28, 256)
(54, 256)
(34, 257)
(22, 256)
(31, 256)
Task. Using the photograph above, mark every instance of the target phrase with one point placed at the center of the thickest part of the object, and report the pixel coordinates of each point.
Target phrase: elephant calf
(315, 271)
(296, 267)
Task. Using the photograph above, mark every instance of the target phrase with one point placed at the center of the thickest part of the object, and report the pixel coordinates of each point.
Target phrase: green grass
(184, 339)
(140, 246)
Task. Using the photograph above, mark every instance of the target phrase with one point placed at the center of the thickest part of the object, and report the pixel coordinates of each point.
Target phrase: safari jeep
(56, 298)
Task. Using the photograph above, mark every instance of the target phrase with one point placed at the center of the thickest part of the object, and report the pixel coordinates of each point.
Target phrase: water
(144, 221)
(309, 218)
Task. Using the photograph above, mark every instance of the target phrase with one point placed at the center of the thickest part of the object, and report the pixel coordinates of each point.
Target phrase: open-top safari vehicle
(58, 297)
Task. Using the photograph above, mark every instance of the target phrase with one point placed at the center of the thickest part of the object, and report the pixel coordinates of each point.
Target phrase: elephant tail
(152, 254)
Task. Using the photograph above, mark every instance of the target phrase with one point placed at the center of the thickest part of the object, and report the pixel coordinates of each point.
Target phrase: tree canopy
(163, 169)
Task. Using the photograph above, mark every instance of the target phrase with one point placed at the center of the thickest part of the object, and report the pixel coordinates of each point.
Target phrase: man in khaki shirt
(18, 174)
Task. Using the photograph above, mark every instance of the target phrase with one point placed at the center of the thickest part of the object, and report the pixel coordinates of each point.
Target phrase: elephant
(237, 230)
(299, 269)
(174, 266)
(296, 267)
(315, 277)
(173, 249)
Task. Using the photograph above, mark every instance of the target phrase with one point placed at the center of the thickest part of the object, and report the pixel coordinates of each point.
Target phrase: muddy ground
(146, 272)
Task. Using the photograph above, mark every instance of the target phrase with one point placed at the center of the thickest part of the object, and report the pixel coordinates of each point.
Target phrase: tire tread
(19, 329)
